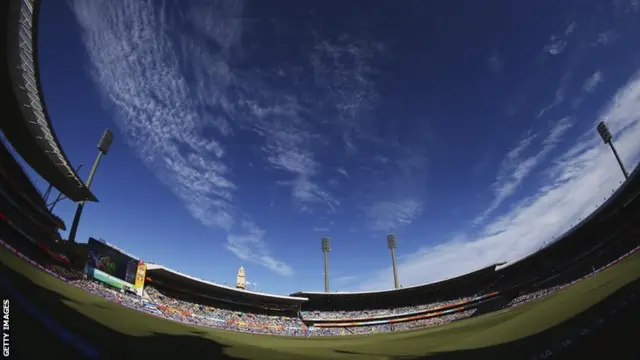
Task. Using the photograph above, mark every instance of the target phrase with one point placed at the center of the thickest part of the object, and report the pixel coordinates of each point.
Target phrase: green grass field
(108, 325)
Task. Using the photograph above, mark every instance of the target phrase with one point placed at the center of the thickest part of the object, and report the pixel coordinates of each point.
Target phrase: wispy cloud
(146, 69)
(558, 42)
(342, 90)
(591, 83)
(250, 246)
(558, 97)
(605, 38)
(321, 229)
(580, 179)
(288, 136)
(557, 100)
(589, 86)
(516, 167)
(396, 197)
(496, 63)
(627, 6)
(388, 215)
(134, 65)
(345, 68)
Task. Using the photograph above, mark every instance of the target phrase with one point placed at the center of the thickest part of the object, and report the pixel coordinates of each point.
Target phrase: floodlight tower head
(391, 241)
(604, 132)
(105, 141)
(326, 247)
(326, 244)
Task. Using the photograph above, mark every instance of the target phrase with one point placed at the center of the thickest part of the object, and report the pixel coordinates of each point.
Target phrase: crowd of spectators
(535, 295)
(547, 291)
(433, 321)
(108, 293)
(293, 326)
(66, 273)
(228, 318)
(336, 315)
(415, 324)
(167, 306)
(174, 307)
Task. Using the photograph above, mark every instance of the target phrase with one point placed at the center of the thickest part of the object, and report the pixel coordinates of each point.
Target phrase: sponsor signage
(141, 274)
(106, 278)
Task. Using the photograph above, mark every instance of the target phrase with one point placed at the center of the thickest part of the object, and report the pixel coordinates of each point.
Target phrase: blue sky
(246, 131)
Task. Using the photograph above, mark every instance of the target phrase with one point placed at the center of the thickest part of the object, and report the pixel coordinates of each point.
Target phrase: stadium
(571, 299)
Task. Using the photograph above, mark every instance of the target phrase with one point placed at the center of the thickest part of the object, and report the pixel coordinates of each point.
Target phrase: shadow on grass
(30, 338)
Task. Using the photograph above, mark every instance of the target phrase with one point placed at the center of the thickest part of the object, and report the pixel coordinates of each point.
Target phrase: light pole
(605, 134)
(61, 197)
(103, 149)
(326, 248)
(391, 244)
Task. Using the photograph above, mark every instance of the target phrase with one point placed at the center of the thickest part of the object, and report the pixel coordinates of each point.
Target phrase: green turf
(82, 313)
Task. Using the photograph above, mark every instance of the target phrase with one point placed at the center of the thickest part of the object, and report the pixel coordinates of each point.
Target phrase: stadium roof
(27, 125)
(178, 277)
(405, 290)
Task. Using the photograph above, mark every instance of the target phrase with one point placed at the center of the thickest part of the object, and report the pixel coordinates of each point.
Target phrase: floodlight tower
(326, 248)
(605, 134)
(391, 244)
(103, 149)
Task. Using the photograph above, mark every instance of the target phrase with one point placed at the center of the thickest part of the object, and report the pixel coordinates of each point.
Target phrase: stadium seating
(174, 306)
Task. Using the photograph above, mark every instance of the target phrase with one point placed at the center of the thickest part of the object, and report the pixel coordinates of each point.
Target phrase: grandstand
(408, 296)
(608, 232)
(23, 209)
(162, 277)
(27, 125)
(17, 182)
(152, 336)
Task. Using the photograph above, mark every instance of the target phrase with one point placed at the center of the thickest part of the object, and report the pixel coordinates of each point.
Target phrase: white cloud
(557, 100)
(134, 65)
(605, 38)
(168, 87)
(321, 229)
(571, 28)
(344, 279)
(288, 154)
(343, 88)
(627, 6)
(496, 63)
(515, 168)
(344, 68)
(308, 192)
(393, 191)
(592, 82)
(386, 215)
(250, 246)
(556, 46)
(558, 42)
(143, 71)
(578, 182)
